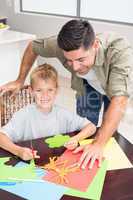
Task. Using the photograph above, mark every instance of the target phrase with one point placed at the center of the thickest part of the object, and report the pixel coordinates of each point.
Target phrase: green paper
(9, 172)
(32, 163)
(95, 189)
(57, 140)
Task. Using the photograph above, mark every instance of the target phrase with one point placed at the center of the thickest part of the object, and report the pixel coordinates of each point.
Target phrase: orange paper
(79, 179)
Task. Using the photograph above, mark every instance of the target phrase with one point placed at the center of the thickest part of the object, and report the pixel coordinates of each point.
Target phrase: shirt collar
(100, 57)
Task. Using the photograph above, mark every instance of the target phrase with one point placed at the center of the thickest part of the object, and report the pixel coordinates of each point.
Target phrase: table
(118, 183)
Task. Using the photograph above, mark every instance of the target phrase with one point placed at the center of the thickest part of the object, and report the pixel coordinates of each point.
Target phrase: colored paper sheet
(57, 140)
(117, 159)
(9, 172)
(95, 189)
(79, 179)
(34, 190)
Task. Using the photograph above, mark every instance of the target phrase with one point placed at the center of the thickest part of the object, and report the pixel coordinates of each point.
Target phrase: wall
(48, 25)
(44, 26)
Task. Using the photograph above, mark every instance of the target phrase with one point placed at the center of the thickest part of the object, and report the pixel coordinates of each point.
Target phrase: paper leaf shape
(57, 140)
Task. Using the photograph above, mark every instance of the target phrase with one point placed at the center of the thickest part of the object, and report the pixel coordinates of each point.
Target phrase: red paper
(80, 179)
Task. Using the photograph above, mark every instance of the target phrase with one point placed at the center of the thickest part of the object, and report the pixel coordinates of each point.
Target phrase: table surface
(117, 185)
(10, 36)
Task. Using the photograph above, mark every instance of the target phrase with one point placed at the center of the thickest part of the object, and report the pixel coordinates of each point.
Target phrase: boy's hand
(26, 153)
(71, 144)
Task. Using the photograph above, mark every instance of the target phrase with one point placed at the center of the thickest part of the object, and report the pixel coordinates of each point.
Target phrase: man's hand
(91, 153)
(26, 153)
(13, 87)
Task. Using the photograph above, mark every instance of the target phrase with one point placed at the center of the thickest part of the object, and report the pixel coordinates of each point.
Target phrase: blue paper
(35, 190)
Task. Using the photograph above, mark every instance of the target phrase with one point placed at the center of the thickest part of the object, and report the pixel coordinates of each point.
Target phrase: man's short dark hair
(75, 34)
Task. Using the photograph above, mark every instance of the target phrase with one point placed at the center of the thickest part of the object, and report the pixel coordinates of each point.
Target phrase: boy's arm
(87, 131)
(22, 152)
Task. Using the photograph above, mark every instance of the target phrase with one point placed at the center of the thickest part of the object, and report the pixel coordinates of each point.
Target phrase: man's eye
(81, 60)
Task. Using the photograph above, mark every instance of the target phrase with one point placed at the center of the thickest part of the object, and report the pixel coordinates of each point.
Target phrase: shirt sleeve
(46, 47)
(121, 56)
(14, 129)
(76, 123)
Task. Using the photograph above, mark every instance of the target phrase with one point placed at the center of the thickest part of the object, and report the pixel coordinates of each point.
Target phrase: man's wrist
(99, 140)
(20, 80)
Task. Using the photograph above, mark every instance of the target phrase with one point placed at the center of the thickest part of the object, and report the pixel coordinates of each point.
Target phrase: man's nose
(76, 66)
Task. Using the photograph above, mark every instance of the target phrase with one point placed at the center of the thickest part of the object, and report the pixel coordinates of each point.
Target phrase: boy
(43, 118)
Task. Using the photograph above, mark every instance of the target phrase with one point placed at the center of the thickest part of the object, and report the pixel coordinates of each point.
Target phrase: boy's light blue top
(30, 123)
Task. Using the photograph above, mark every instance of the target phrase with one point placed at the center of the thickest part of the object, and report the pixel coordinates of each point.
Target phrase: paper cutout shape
(95, 188)
(115, 156)
(60, 168)
(7, 173)
(57, 140)
(4, 160)
(33, 190)
(80, 179)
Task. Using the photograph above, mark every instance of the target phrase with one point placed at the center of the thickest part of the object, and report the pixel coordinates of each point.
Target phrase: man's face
(44, 92)
(80, 60)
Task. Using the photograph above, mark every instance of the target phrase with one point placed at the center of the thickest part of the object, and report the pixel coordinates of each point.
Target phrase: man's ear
(96, 43)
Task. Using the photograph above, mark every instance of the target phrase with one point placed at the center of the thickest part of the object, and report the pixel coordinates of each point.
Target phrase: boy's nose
(45, 94)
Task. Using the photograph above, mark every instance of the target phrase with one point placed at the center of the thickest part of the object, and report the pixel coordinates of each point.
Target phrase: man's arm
(109, 125)
(27, 61)
(111, 119)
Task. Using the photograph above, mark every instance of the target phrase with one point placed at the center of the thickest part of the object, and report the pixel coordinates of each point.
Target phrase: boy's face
(44, 92)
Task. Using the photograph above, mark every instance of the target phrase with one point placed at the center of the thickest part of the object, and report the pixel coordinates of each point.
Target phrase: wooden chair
(10, 105)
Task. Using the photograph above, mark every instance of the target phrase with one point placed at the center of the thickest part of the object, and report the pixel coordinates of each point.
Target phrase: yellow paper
(117, 159)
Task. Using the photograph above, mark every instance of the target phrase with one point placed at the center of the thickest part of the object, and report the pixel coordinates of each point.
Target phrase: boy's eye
(50, 90)
(38, 90)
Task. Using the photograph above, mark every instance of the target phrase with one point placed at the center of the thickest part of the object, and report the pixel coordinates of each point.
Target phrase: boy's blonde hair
(44, 72)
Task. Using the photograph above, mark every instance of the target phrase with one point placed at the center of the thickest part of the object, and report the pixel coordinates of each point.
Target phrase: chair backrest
(10, 105)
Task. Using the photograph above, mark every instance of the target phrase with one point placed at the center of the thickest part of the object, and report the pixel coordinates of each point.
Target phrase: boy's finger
(78, 149)
(37, 156)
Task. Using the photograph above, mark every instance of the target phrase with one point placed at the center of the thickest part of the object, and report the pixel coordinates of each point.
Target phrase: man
(100, 66)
